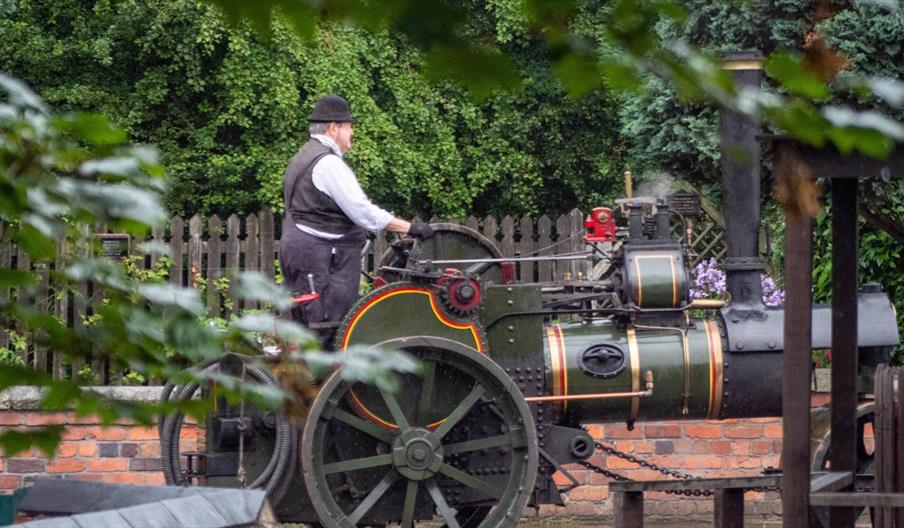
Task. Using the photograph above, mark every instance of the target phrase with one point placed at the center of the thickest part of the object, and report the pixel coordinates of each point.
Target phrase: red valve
(600, 225)
(305, 299)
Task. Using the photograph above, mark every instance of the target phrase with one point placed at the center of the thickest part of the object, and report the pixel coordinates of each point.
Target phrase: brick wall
(130, 454)
(122, 454)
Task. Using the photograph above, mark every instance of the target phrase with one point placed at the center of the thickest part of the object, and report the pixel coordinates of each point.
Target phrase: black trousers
(336, 269)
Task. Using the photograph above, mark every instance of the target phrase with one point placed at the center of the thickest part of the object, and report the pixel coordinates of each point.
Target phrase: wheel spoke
(410, 503)
(470, 481)
(393, 404)
(456, 415)
(481, 443)
(426, 392)
(447, 513)
(357, 463)
(363, 425)
(373, 497)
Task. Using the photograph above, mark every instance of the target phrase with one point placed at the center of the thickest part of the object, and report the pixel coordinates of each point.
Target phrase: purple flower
(708, 281)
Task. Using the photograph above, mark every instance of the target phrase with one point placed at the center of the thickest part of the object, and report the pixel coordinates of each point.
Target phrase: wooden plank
(79, 313)
(831, 481)
(473, 223)
(627, 508)
(252, 251)
(796, 364)
(195, 246)
(214, 264)
(44, 305)
(563, 245)
(844, 336)
(266, 229)
(582, 268)
(23, 263)
(98, 294)
(728, 508)
(490, 228)
(526, 248)
(157, 235)
(884, 434)
(544, 230)
(381, 245)
(177, 250)
(849, 499)
(507, 245)
(713, 483)
(61, 305)
(233, 226)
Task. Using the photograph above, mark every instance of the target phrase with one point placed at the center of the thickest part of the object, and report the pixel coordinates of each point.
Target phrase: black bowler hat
(331, 109)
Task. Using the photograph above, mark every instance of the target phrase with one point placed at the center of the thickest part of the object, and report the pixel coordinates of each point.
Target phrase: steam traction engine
(511, 372)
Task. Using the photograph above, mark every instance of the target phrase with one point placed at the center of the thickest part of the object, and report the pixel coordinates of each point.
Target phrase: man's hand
(420, 230)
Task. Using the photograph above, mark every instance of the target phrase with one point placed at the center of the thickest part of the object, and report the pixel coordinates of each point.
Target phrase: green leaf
(47, 439)
(579, 73)
(36, 244)
(255, 286)
(482, 71)
(11, 277)
(790, 71)
(20, 95)
(170, 295)
(120, 166)
(93, 128)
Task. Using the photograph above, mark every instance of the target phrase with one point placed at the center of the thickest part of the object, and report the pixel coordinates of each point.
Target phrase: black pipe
(740, 163)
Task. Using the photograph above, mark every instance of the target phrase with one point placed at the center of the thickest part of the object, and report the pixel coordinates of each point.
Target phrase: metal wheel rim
(506, 397)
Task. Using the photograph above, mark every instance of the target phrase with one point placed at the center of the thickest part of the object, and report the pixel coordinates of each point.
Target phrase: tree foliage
(228, 106)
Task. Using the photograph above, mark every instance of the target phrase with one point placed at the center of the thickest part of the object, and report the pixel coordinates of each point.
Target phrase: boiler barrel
(689, 373)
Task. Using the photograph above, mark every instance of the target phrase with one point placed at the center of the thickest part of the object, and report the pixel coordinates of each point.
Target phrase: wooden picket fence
(205, 252)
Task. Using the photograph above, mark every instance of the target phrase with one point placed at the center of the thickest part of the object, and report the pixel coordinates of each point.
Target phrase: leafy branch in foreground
(60, 175)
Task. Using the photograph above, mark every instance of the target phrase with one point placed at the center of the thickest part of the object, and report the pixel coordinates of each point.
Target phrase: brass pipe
(707, 304)
(648, 383)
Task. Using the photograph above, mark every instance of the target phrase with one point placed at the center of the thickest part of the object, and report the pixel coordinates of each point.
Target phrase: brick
(104, 465)
(663, 431)
(621, 431)
(87, 449)
(149, 449)
(125, 478)
(154, 479)
(107, 433)
(589, 493)
(744, 431)
(128, 449)
(108, 450)
(67, 449)
(10, 482)
(10, 418)
(143, 433)
(74, 433)
(187, 433)
(65, 465)
(561, 480)
(772, 431)
(702, 431)
(664, 447)
(761, 448)
(46, 418)
(703, 462)
(145, 464)
(721, 447)
(92, 477)
(25, 465)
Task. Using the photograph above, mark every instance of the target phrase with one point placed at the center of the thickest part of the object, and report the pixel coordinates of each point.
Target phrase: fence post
(195, 245)
(563, 245)
(507, 245)
(544, 228)
(526, 249)
(233, 225)
(267, 241)
(252, 251)
(177, 231)
(214, 265)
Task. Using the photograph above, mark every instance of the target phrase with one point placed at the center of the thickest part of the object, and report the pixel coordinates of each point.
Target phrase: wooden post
(507, 246)
(844, 337)
(214, 265)
(526, 248)
(563, 245)
(266, 230)
(252, 251)
(796, 361)
(194, 251)
(627, 507)
(728, 508)
(177, 250)
(544, 228)
(233, 225)
(490, 228)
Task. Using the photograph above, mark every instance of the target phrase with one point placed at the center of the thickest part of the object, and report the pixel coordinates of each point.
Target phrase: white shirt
(334, 178)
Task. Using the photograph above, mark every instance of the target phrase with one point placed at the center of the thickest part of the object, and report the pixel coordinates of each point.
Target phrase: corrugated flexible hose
(275, 476)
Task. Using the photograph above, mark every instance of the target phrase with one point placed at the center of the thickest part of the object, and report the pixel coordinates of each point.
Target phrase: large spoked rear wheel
(455, 442)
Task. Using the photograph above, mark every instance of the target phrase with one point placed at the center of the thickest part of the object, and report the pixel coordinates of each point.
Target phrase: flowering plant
(708, 281)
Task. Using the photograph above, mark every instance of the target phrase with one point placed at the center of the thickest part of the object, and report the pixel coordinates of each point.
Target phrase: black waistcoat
(306, 204)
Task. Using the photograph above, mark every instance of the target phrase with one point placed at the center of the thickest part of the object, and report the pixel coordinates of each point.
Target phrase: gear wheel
(460, 295)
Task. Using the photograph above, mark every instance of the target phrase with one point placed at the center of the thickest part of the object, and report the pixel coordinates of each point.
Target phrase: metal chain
(610, 450)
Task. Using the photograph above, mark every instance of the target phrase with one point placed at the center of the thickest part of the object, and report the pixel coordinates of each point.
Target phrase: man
(327, 219)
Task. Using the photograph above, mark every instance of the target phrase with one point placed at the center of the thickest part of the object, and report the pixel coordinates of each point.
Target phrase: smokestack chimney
(740, 149)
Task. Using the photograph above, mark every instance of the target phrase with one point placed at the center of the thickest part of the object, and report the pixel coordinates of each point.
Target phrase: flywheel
(449, 242)
(463, 441)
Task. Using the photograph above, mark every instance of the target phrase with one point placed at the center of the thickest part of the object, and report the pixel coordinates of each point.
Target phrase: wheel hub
(417, 454)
